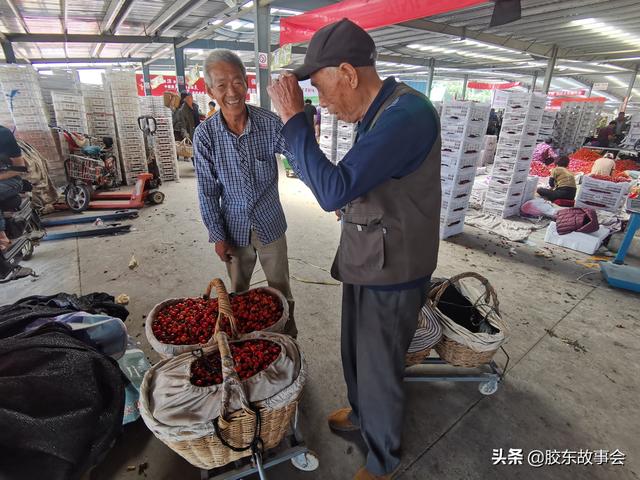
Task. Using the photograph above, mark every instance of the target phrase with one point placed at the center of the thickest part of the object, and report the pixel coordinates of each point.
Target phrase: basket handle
(230, 381)
(224, 305)
(490, 294)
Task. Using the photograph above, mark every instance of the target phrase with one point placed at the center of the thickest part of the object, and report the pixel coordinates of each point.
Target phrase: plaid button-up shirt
(237, 178)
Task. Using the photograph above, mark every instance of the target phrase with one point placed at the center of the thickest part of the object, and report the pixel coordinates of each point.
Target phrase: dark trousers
(566, 193)
(377, 328)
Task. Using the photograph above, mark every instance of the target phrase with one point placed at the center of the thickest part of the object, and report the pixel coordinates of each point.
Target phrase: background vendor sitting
(604, 165)
(562, 182)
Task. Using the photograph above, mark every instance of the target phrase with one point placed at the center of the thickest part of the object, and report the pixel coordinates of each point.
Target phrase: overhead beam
(121, 16)
(549, 71)
(84, 38)
(181, 15)
(531, 47)
(63, 17)
(226, 16)
(9, 54)
(36, 61)
(112, 11)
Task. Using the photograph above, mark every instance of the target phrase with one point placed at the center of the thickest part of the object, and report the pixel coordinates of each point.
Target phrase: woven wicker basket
(184, 148)
(238, 429)
(166, 350)
(451, 351)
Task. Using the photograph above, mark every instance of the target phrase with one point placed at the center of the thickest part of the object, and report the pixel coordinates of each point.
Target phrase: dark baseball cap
(340, 42)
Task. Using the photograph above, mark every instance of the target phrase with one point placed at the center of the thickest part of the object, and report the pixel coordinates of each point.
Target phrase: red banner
(567, 93)
(557, 102)
(492, 86)
(369, 14)
(162, 83)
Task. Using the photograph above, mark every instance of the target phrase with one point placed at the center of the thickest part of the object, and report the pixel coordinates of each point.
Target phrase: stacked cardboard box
(518, 137)
(329, 134)
(463, 126)
(126, 108)
(346, 136)
(602, 195)
(21, 90)
(164, 142)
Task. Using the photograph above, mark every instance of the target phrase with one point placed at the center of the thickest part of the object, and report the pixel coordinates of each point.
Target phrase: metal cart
(487, 376)
(291, 448)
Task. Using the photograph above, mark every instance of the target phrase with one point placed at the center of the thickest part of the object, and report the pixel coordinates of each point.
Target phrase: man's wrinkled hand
(287, 96)
(224, 251)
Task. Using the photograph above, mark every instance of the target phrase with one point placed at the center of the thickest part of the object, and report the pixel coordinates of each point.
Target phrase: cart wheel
(78, 197)
(156, 197)
(27, 250)
(307, 462)
(488, 388)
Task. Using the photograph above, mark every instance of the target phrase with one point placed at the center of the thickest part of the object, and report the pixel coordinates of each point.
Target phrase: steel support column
(178, 56)
(551, 64)
(146, 76)
(534, 81)
(9, 54)
(432, 73)
(262, 49)
(623, 107)
(465, 80)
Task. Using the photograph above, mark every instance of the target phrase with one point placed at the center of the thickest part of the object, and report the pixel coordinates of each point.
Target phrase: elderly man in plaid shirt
(237, 176)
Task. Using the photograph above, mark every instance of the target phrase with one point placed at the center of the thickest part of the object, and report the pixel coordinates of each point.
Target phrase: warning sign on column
(263, 60)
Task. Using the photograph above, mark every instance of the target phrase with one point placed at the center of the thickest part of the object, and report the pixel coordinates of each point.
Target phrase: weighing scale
(616, 273)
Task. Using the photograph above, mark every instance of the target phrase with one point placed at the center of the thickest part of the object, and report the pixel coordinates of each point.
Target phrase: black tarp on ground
(61, 405)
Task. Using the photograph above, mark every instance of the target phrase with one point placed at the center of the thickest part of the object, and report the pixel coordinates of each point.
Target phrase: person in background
(310, 113)
(545, 153)
(11, 163)
(237, 178)
(493, 127)
(562, 182)
(621, 125)
(212, 109)
(606, 135)
(604, 165)
(187, 114)
(387, 189)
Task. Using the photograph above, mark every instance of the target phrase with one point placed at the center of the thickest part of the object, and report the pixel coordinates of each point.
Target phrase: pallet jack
(80, 196)
(105, 227)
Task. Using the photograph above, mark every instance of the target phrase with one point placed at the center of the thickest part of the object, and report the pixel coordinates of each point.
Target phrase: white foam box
(587, 243)
(602, 195)
(530, 188)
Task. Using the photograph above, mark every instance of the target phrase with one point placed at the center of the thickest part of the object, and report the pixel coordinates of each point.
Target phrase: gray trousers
(275, 265)
(377, 328)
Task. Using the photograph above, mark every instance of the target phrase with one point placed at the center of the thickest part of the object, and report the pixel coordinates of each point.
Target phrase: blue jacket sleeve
(396, 146)
(209, 189)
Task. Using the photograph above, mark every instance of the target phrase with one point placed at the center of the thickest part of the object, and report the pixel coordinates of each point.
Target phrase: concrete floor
(573, 381)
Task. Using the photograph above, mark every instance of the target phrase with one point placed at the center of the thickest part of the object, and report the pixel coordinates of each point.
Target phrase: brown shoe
(364, 474)
(339, 421)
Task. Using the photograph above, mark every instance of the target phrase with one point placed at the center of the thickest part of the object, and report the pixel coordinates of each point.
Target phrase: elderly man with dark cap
(387, 189)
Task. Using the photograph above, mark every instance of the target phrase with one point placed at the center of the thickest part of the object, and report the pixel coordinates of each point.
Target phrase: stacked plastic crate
(633, 135)
(20, 87)
(587, 123)
(328, 134)
(70, 115)
(346, 135)
(100, 120)
(164, 142)
(463, 125)
(6, 120)
(202, 100)
(547, 125)
(58, 81)
(126, 108)
(518, 138)
(566, 126)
